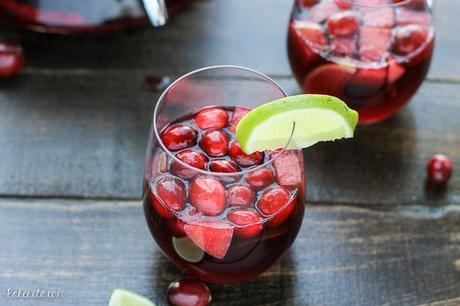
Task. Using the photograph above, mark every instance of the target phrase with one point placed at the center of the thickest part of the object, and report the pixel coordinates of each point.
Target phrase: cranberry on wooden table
(439, 169)
(188, 292)
(11, 59)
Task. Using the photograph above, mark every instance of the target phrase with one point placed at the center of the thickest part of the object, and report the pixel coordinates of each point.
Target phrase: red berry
(178, 136)
(222, 165)
(238, 113)
(439, 169)
(11, 59)
(260, 178)
(207, 194)
(343, 4)
(343, 24)
(248, 222)
(192, 158)
(213, 237)
(168, 195)
(188, 292)
(288, 168)
(214, 143)
(212, 118)
(239, 195)
(310, 34)
(307, 3)
(236, 154)
(276, 203)
(410, 38)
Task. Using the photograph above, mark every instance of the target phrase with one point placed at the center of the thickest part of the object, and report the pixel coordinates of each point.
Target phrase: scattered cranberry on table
(11, 59)
(439, 169)
(188, 292)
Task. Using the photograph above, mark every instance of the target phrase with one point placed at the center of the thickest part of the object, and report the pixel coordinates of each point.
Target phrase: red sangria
(69, 16)
(373, 54)
(218, 213)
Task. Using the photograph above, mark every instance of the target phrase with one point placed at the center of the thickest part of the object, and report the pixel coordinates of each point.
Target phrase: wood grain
(343, 256)
(248, 33)
(85, 135)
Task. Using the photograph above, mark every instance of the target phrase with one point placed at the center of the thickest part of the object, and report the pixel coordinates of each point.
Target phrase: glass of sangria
(373, 54)
(219, 214)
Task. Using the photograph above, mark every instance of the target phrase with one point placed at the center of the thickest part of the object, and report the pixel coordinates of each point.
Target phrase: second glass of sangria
(373, 54)
(219, 214)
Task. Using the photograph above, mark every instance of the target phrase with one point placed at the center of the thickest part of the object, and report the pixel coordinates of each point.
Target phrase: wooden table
(73, 132)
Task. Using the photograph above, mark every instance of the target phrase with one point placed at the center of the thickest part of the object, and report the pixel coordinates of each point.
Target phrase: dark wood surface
(73, 131)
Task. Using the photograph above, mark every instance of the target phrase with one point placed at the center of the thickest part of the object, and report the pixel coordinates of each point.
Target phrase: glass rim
(376, 6)
(172, 155)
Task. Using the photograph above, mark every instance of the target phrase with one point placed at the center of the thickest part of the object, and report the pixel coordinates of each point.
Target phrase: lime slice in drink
(122, 297)
(187, 250)
(309, 118)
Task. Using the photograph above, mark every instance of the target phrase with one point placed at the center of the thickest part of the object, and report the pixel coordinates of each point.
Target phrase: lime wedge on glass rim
(123, 297)
(310, 118)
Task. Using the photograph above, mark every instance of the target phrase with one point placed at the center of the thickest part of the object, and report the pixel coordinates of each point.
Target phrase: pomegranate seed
(239, 195)
(343, 24)
(260, 179)
(276, 203)
(188, 292)
(167, 196)
(11, 59)
(207, 194)
(178, 136)
(248, 221)
(410, 38)
(236, 153)
(222, 165)
(439, 169)
(212, 118)
(214, 143)
(192, 158)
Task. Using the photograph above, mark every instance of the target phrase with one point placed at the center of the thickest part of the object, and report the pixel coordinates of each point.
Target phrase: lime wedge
(187, 250)
(313, 118)
(122, 297)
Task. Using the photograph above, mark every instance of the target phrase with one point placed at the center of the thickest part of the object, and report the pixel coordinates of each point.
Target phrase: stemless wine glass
(219, 214)
(373, 54)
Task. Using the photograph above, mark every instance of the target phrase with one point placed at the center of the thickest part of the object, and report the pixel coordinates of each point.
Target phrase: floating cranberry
(11, 59)
(276, 203)
(409, 38)
(212, 118)
(168, 196)
(307, 3)
(239, 195)
(439, 169)
(214, 143)
(192, 158)
(343, 24)
(188, 292)
(260, 178)
(222, 165)
(236, 154)
(248, 222)
(207, 194)
(178, 136)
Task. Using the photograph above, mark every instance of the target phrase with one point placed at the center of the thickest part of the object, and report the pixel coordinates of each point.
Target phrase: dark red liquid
(246, 255)
(375, 62)
(63, 16)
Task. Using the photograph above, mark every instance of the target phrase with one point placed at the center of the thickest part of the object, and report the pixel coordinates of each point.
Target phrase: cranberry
(239, 195)
(343, 4)
(213, 237)
(260, 178)
(212, 118)
(276, 203)
(214, 143)
(439, 169)
(207, 194)
(248, 221)
(311, 33)
(188, 292)
(308, 3)
(192, 158)
(178, 136)
(343, 24)
(236, 153)
(222, 165)
(409, 38)
(11, 59)
(168, 195)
